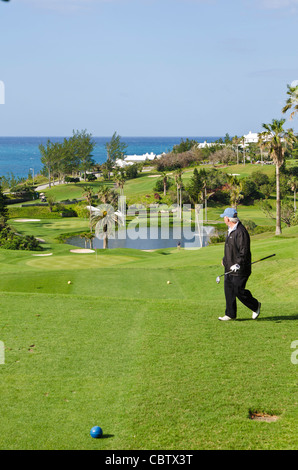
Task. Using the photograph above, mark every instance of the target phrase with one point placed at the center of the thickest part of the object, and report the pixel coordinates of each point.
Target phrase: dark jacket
(237, 251)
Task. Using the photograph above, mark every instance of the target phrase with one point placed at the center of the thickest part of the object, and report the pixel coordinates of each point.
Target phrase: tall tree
(236, 141)
(120, 179)
(243, 148)
(83, 146)
(68, 162)
(116, 149)
(194, 187)
(179, 183)
(206, 184)
(278, 140)
(227, 139)
(104, 194)
(164, 180)
(88, 194)
(48, 158)
(235, 191)
(184, 146)
(107, 168)
(263, 146)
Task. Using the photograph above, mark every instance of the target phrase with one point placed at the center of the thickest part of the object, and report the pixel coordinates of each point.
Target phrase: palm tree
(235, 191)
(178, 180)
(278, 140)
(51, 200)
(243, 147)
(88, 194)
(104, 194)
(205, 180)
(293, 183)
(104, 220)
(292, 101)
(236, 141)
(90, 237)
(164, 180)
(84, 236)
(263, 145)
(120, 182)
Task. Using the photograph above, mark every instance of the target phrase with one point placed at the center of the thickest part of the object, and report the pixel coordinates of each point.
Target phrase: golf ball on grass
(96, 432)
(168, 282)
(69, 282)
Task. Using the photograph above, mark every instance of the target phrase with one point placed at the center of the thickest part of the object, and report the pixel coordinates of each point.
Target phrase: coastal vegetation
(71, 156)
(224, 172)
(129, 339)
(9, 238)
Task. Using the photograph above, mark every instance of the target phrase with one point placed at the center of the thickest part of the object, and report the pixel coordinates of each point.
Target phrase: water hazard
(150, 238)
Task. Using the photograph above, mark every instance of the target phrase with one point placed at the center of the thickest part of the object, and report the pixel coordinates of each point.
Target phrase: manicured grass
(75, 190)
(147, 361)
(248, 169)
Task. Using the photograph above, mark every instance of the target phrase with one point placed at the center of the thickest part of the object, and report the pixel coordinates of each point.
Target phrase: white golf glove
(235, 268)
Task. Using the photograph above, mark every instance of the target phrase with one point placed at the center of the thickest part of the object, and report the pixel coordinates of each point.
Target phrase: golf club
(229, 272)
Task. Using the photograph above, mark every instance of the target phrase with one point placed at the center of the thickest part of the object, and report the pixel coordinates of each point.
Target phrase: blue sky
(145, 67)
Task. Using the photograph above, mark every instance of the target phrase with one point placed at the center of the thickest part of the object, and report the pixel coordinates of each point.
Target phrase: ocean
(21, 156)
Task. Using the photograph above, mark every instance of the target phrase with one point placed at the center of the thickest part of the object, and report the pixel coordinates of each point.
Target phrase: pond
(151, 238)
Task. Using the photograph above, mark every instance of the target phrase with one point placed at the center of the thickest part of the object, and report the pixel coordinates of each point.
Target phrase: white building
(205, 144)
(131, 159)
(251, 138)
(122, 163)
(141, 158)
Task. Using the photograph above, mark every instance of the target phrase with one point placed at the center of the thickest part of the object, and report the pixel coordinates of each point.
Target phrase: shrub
(255, 229)
(260, 178)
(81, 211)
(159, 184)
(250, 225)
(217, 238)
(70, 179)
(68, 212)
(131, 171)
(173, 161)
(91, 177)
(250, 191)
(219, 196)
(9, 240)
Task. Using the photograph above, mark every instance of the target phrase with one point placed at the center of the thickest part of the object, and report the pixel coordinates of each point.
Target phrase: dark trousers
(235, 288)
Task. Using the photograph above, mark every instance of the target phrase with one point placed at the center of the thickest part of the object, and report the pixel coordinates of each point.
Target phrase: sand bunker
(27, 220)
(153, 176)
(82, 250)
(43, 254)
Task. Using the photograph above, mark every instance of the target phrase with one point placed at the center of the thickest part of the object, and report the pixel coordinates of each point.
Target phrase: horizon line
(122, 136)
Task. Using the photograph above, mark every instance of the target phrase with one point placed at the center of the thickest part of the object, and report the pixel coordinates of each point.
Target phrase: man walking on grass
(237, 258)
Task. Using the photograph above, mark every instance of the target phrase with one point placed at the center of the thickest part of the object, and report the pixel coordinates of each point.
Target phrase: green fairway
(74, 190)
(147, 361)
